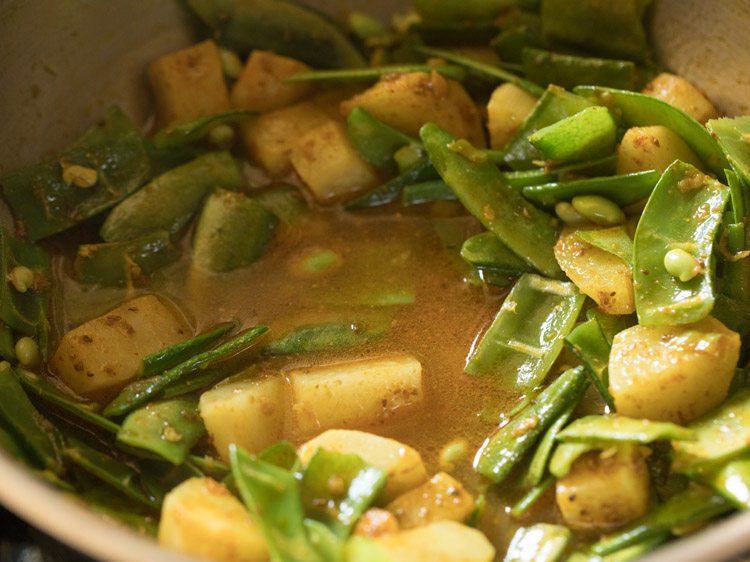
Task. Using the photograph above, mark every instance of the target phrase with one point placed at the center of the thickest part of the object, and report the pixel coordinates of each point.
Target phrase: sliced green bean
(375, 140)
(421, 171)
(567, 453)
(731, 480)
(527, 335)
(696, 202)
(198, 381)
(620, 428)
(641, 110)
(623, 555)
(509, 444)
(590, 133)
(567, 71)
(11, 447)
(446, 11)
(140, 392)
(169, 201)
(45, 204)
(732, 136)
(539, 543)
(588, 344)
(485, 70)
(531, 497)
(186, 132)
(624, 189)
(527, 231)
(373, 73)
(485, 251)
(319, 337)
(538, 465)
(614, 240)
(511, 43)
(610, 324)
(284, 201)
(427, 192)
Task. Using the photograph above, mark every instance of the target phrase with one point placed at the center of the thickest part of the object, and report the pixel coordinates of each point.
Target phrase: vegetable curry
(473, 286)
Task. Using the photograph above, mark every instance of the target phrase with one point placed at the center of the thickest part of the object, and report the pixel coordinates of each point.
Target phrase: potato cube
(672, 373)
(652, 148)
(355, 394)
(248, 413)
(442, 541)
(680, 93)
(99, 357)
(509, 105)
(269, 138)
(402, 464)
(408, 101)
(604, 277)
(604, 489)
(329, 166)
(200, 517)
(189, 84)
(442, 498)
(261, 87)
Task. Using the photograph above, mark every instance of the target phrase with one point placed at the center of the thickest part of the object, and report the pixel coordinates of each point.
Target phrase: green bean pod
(374, 140)
(373, 73)
(567, 71)
(187, 132)
(588, 344)
(538, 543)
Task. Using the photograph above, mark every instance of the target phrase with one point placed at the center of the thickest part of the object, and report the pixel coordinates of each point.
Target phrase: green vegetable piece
(610, 324)
(693, 506)
(539, 543)
(45, 204)
(598, 210)
(697, 202)
(485, 251)
(366, 27)
(7, 346)
(169, 201)
(567, 71)
(538, 465)
(120, 476)
(210, 466)
(9, 446)
(588, 343)
(511, 43)
(531, 497)
(733, 136)
(232, 231)
(567, 453)
(446, 11)
(427, 192)
(421, 171)
(624, 189)
(615, 30)
(586, 135)
(282, 454)
(85, 411)
(555, 105)
(168, 429)
(621, 428)
(623, 555)
(527, 335)
(199, 381)
(186, 132)
(122, 263)
(273, 497)
(172, 355)
(509, 444)
(527, 231)
(488, 71)
(24, 312)
(374, 73)
(359, 485)
(320, 261)
(641, 110)
(319, 337)
(284, 27)
(284, 201)
(614, 240)
(376, 141)
(719, 435)
(364, 549)
(31, 431)
(140, 392)
(731, 480)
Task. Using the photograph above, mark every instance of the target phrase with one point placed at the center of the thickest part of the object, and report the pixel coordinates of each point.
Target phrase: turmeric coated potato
(441, 498)
(680, 93)
(672, 373)
(652, 148)
(506, 111)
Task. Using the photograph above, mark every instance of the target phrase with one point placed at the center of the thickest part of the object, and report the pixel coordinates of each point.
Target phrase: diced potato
(652, 148)
(604, 489)
(355, 394)
(442, 498)
(269, 138)
(408, 101)
(506, 111)
(189, 83)
(376, 522)
(101, 356)
(402, 464)
(249, 413)
(261, 86)
(442, 541)
(672, 373)
(604, 277)
(329, 166)
(200, 517)
(680, 93)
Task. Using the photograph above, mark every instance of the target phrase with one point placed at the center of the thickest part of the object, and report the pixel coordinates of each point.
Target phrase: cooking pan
(62, 62)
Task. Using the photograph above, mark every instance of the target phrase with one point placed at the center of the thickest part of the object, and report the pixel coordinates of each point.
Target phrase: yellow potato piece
(402, 464)
(509, 105)
(200, 517)
(680, 93)
(442, 541)
(604, 489)
(652, 148)
(672, 373)
(442, 498)
(604, 277)
(408, 101)
(101, 356)
(261, 87)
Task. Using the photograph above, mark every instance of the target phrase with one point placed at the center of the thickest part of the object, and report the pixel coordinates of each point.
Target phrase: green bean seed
(22, 278)
(231, 64)
(598, 210)
(681, 264)
(221, 136)
(80, 176)
(566, 213)
(27, 352)
(452, 452)
(4, 366)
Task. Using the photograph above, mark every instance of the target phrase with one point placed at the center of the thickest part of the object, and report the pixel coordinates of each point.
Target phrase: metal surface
(65, 61)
